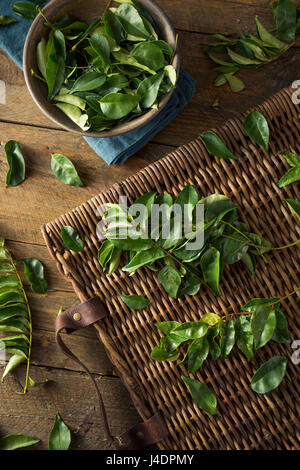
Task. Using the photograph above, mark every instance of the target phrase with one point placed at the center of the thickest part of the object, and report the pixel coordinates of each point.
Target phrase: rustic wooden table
(41, 198)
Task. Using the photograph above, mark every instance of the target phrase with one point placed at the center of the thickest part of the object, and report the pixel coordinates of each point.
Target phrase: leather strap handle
(74, 319)
(141, 435)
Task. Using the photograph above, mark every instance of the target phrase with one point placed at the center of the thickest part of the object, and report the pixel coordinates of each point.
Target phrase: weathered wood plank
(217, 16)
(72, 395)
(42, 197)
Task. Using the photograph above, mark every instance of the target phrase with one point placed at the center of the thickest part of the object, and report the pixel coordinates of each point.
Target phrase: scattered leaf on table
(64, 170)
(15, 159)
(17, 441)
(286, 16)
(60, 436)
(34, 272)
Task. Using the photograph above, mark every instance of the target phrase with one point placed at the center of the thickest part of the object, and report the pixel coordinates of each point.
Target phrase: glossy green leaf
(263, 323)
(244, 336)
(204, 398)
(291, 158)
(26, 10)
(64, 170)
(5, 19)
(60, 435)
(211, 318)
(75, 114)
(113, 27)
(240, 59)
(256, 303)
(197, 353)
(166, 351)
(192, 285)
(227, 337)
(144, 257)
(167, 326)
(55, 69)
(34, 272)
(11, 297)
(14, 361)
(189, 330)
(267, 37)
(256, 126)
(210, 265)
(294, 206)
(132, 21)
(216, 146)
(88, 82)
(17, 441)
(71, 239)
(281, 333)
(8, 280)
(139, 244)
(41, 57)
(291, 176)
(236, 84)
(65, 97)
(214, 347)
(285, 14)
(269, 375)
(149, 54)
(136, 302)
(15, 159)
(11, 311)
(171, 74)
(148, 89)
(118, 105)
(170, 279)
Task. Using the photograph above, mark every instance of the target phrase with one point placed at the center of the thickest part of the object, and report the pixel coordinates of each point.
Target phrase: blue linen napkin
(114, 150)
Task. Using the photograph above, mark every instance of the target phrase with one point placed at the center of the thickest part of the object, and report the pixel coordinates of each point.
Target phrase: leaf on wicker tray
(71, 239)
(294, 206)
(215, 145)
(170, 279)
(293, 174)
(202, 395)
(136, 302)
(263, 323)
(269, 375)
(256, 126)
(227, 337)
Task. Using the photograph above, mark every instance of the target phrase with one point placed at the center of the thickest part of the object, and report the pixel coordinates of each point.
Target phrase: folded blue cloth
(114, 150)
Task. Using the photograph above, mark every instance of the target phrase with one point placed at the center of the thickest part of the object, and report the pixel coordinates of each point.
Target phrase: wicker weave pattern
(246, 420)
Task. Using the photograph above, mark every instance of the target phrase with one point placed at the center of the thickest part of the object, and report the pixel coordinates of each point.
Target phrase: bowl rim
(121, 129)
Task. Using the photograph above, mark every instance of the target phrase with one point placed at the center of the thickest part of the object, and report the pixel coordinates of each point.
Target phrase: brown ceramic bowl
(87, 10)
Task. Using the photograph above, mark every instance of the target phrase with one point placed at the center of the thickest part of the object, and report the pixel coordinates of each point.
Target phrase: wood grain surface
(42, 198)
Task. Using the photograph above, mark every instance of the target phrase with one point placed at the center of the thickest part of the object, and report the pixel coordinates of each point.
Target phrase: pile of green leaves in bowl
(109, 72)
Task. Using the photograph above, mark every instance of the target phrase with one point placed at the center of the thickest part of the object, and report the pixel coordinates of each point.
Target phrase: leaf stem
(286, 246)
(286, 296)
(30, 324)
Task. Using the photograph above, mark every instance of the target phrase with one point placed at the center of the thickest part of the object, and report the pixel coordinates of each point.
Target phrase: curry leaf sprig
(109, 72)
(191, 343)
(181, 270)
(250, 50)
(15, 315)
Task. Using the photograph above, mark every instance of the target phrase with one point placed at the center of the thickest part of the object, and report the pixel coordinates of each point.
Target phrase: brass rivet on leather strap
(77, 316)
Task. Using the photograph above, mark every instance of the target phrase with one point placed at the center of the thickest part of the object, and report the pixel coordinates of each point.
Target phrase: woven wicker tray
(246, 420)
